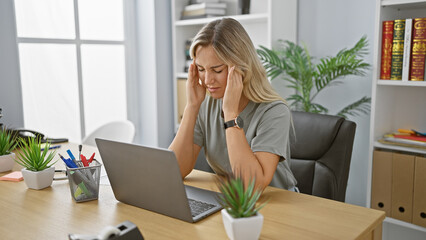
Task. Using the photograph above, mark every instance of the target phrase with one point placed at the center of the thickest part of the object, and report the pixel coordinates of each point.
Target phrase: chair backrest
(321, 154)
(123, 131)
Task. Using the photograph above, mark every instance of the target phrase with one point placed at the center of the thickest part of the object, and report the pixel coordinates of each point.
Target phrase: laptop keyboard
(198, 207)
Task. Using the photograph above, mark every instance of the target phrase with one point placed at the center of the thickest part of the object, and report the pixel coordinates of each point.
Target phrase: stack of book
(211, 8)
(403, 50)
(405, 139)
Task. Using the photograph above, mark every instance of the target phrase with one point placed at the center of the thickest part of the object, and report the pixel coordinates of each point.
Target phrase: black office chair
(321, 154)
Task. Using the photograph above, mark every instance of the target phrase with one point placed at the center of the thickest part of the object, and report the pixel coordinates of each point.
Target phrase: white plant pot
(7, 162)
(242, 228)
(38, 180)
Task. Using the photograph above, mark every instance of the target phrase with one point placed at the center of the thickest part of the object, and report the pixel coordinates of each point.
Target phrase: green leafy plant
(295, 65)
(32, 157)
(239, 201)
(7, 142)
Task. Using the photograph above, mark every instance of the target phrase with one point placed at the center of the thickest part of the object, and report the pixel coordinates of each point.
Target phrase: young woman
(243, 124)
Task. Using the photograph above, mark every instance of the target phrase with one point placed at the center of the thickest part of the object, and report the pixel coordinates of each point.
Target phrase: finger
(193, 74)
(230, 74)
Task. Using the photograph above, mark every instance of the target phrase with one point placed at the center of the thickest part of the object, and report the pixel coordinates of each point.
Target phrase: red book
(387, 38)
(411, 137)
(418, 52)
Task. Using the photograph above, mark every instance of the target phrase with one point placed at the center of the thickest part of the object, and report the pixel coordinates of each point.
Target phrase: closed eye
(217, 71)
(200, 70)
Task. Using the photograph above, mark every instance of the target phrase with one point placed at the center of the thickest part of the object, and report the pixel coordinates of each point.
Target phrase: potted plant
(38, 169)
(294, 64)
(7, 145)
(240, 215)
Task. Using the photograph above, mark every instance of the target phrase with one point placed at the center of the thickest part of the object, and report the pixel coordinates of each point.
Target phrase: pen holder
(84, 181)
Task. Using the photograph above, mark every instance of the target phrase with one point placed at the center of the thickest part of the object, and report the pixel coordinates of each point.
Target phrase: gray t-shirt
(266, 126)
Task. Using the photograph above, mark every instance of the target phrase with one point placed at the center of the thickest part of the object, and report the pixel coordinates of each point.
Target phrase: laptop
(150, 178)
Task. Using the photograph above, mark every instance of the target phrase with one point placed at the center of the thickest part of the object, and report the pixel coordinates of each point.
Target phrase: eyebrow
(210, 67)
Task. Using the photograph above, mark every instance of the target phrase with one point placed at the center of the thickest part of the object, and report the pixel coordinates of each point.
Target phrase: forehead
(206, 56)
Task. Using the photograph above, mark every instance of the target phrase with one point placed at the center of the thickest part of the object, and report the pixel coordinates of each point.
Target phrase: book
(407, 50)
(386, 59)
(204, 5)
(400, 144)
(397, 49)
(203, 1)
(390, 138)
(411, 137)
(418, 52)
(202, 11)
(205, 11)
(200, 16)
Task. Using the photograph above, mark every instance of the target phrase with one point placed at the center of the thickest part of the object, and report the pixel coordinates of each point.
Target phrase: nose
(208, 78)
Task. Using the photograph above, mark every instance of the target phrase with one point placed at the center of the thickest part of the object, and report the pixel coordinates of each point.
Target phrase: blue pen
(70, 154)
(63, 159)
(68, 162)
(72, 157)
(52, 147)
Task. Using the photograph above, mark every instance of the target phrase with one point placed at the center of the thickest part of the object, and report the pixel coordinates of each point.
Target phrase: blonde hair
(234, 47)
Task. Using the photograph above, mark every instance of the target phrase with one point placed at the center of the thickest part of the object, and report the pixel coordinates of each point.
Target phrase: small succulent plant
(33, 157)
(7, 142)
(238, 200)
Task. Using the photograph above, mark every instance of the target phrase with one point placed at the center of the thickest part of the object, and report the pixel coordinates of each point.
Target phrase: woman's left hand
(232, 96)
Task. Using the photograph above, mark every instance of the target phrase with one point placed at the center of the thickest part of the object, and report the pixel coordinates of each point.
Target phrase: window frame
(130, 58)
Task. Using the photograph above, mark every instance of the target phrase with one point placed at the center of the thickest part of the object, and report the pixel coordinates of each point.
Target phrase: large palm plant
(294, 64)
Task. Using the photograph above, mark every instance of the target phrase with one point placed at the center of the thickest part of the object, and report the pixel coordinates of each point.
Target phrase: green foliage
(32, 157)
(238, 201)
(7, 142)
(294, 64)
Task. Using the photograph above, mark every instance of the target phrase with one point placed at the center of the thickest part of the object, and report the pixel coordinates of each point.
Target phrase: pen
(70, 154)
(68, 162)
(79, 150)
(72, 157)
(52, 147)
(84, 160)
(63, 159)
(91, 158)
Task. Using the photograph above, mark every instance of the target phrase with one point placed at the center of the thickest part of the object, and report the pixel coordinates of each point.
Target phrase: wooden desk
(51, 213)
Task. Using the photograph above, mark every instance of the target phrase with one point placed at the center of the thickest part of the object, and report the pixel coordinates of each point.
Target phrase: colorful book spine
(418, 53)
(407, 50)
(397, 49)
(387, 37)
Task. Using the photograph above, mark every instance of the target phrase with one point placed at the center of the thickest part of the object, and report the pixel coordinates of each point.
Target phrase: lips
(212, 89)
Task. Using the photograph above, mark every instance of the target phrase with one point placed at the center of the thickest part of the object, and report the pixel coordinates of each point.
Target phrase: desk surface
(51, 213)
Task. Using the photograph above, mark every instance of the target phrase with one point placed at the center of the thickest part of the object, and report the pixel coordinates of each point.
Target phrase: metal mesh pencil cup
(84, 181)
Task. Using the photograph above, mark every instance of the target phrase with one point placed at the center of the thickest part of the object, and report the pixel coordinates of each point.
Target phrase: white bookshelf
(395, 104)
(268, 21)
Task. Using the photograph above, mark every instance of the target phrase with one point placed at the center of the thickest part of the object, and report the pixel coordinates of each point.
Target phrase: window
(73, 64)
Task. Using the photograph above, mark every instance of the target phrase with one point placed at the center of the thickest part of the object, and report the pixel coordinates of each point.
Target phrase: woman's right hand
(194, 90)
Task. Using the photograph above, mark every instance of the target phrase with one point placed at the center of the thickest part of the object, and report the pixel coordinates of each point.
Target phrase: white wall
(10, 85)
(155, 72)
(326, 27)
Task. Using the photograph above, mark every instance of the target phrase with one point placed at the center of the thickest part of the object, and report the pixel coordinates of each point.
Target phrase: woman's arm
(260, 165)
(183, 144)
